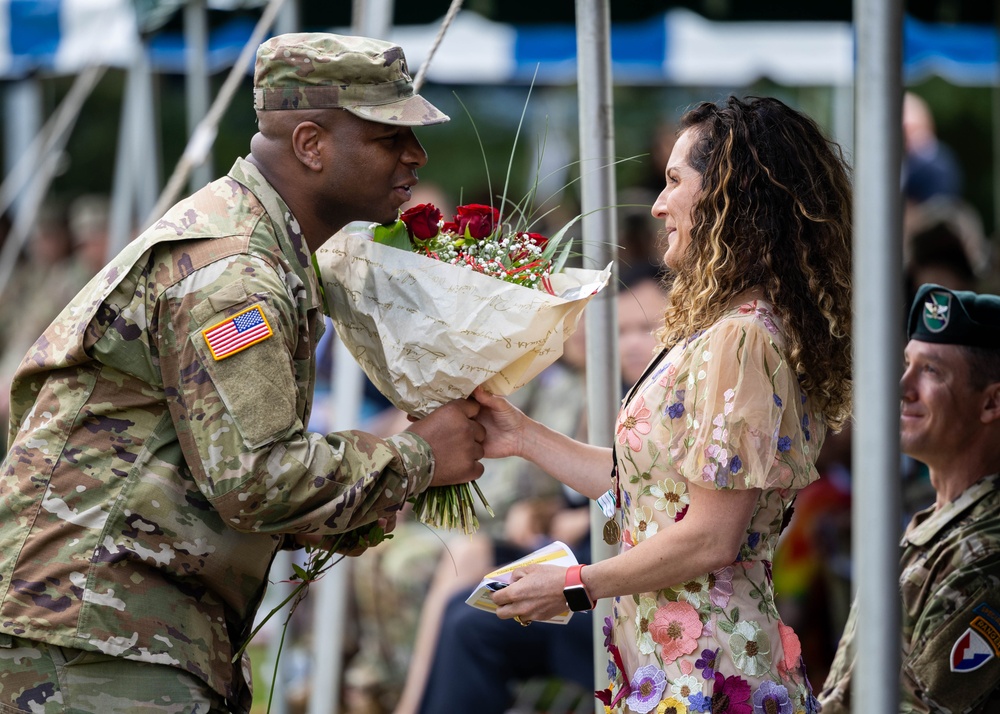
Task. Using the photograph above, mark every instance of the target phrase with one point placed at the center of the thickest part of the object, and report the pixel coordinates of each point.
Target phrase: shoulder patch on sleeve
(979, 643)
(236, 333)
(959, 664)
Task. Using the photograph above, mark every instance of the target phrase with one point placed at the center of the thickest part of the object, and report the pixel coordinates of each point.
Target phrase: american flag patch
(237, 332)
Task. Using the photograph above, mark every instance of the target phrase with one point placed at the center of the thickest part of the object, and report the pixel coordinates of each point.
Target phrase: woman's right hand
(504, 424)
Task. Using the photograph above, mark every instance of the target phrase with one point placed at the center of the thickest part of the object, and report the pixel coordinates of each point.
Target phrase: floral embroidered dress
(722, 410)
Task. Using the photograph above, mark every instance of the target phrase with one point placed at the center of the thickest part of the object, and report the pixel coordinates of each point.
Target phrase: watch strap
(573, 575)
(573, 587)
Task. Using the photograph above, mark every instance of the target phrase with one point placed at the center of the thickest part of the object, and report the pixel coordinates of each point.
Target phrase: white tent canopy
(677, 47)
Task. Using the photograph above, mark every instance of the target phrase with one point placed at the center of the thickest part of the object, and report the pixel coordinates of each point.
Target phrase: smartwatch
(574, 591)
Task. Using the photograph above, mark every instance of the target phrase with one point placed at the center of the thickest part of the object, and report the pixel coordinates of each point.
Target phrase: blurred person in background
(42, 284)
(950, 562)
(89, 216)
(930, 168)
(945, 244)
(638, 243)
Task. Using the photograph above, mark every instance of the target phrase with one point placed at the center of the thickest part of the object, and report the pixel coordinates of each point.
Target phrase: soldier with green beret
(950, 564)
(158, 450)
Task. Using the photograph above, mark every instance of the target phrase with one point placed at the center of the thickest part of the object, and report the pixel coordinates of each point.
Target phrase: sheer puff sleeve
(746, 421)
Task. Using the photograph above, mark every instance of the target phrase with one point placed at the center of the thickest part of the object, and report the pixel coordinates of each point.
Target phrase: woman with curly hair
(714, 441)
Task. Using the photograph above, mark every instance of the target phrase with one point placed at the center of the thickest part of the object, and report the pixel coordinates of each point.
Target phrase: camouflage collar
(290, 238)
(926, 524)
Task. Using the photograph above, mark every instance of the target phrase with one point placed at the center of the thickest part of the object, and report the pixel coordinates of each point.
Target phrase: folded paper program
(555, 553)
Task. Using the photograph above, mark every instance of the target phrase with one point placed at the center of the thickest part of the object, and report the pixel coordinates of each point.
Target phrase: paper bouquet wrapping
(426, 332)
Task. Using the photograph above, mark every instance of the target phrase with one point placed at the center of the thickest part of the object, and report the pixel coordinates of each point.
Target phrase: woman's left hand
(535, 593)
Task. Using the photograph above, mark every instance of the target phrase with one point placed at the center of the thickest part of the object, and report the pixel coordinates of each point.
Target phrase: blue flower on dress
(609, 626)
(771, 698)
(812, 704)
(706, 663)
(784, 444)
(753, 539)
(735, 464)
(675, 410)
(777, 401)
(612, 670)
(698, 702)
(648, 684)
(805, 426)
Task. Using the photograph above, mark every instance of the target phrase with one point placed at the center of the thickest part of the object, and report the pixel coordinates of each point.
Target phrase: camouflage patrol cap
(318, 70)
(954, 317)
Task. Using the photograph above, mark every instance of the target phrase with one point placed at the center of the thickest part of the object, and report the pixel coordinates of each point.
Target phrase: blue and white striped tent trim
(678, 47)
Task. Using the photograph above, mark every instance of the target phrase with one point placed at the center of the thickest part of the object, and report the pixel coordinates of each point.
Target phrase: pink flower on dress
(708, 472)
(720, 586)
(790, 644)
(677, 627)
(669, 377)
(790, 666)
(633, 423)
(762, 314)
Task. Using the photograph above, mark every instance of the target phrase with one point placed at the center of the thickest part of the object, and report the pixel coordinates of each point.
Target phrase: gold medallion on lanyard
(609, 506)
(612, 532)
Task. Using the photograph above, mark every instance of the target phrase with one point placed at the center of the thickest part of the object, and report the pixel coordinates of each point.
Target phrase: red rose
(480, 220)
(421, 221)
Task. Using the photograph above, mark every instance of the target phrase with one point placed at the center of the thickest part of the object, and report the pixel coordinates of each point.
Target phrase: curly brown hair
(774, 214)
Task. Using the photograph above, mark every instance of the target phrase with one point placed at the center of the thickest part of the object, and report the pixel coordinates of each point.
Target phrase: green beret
(319, 70)
(954, 317)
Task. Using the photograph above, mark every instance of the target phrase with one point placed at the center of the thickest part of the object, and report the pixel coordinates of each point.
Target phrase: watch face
(577, 599)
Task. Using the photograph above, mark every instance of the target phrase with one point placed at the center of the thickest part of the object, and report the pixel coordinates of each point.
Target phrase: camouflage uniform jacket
(149, 484)
(950, 588)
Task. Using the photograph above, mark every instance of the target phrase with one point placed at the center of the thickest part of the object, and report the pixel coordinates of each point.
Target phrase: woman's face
(675, 203)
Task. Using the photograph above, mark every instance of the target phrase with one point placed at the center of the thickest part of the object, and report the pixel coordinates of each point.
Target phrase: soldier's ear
(991, 404)
(306, 143)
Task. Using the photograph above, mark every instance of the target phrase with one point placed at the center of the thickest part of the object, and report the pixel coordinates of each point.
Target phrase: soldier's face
(372, 170)
(939, 406)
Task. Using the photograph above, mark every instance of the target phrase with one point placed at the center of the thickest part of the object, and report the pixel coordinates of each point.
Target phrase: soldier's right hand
(456, 439)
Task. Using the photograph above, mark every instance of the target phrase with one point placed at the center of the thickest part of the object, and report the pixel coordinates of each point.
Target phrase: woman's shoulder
(754, 320)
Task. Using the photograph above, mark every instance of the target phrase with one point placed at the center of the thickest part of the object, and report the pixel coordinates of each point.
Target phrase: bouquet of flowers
(476, 240)
(431, 309)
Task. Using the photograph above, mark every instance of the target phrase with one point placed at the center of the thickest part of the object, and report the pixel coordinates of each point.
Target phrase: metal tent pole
(996, 126)
(22, 99)
(877, 351)
(136, 157)
(600, 246)
(197, 85)
(372, 18)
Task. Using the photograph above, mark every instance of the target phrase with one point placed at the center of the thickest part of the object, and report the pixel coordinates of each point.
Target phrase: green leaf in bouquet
(300, 573)
(394, 235)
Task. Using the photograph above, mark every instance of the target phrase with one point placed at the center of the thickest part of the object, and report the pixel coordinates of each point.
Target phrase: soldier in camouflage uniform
(950, 582)
(158, 451)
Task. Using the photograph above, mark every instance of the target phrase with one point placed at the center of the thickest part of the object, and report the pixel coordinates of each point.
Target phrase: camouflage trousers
(45, 679)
